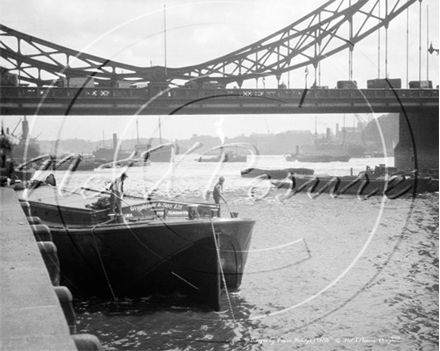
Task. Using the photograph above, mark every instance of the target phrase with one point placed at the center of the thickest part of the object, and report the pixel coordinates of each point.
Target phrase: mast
(316, 129)
(267, 127)
(160, 132)
(344, 131)
(427, 42)
(165, 37)
(137, 130)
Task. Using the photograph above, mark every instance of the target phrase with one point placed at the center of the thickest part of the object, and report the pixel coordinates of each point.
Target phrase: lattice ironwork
(335, 26)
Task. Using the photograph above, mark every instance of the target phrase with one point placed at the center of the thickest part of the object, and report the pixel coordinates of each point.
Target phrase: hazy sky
(197, 31)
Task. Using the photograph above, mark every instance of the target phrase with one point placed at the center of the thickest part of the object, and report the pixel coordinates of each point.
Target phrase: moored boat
(88, 163)
(18, 174)
(317, 158)
(381, 181)
(161, 155)
(274, 173)
(155, 246)
(322, 150)
(23, 151)
(116, 166)
(228, 157)
(11, 174)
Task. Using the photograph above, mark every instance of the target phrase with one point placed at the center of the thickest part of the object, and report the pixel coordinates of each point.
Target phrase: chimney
(115, 141)
(25, 127)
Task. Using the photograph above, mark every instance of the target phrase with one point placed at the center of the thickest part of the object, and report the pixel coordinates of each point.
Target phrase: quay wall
(31, 315)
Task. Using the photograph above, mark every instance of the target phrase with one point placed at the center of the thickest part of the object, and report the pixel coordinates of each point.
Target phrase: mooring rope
(102, 264)
(217, 248)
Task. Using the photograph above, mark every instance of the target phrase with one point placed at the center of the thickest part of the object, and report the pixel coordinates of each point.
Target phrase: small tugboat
(322, 150)
(229, 153)
(274, 173)
(151, 246)
(228, 157)
(382, 180)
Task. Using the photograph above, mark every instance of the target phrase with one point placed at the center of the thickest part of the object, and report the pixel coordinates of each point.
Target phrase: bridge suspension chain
(335, 26)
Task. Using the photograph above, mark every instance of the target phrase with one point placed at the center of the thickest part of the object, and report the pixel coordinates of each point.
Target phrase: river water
(322, 274)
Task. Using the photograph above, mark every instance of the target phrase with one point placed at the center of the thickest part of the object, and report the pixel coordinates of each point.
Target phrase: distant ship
(340, 146)
(323, 150)
(27, 147)
(320, 152)
(162, 154)
(356, 150)
(107, 154)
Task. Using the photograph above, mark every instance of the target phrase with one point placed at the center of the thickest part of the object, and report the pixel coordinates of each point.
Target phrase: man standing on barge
(117, 193)
(218, 192)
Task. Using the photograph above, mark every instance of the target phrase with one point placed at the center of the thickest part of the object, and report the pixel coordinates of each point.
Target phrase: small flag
(307, 70)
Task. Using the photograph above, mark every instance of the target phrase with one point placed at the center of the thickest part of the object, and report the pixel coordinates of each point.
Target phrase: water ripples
(322, 274)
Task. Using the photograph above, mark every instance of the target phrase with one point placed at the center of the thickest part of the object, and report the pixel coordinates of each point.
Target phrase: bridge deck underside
(196, 102)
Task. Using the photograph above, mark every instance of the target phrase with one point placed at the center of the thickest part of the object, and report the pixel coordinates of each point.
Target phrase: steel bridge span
(336, 26)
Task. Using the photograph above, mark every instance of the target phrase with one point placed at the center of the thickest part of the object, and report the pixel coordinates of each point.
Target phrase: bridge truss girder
(333, 27)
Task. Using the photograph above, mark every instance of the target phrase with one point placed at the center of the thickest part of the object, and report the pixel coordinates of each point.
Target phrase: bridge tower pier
(424, 127)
